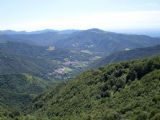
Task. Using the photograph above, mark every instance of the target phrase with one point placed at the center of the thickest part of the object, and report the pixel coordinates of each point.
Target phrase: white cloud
(107, 20)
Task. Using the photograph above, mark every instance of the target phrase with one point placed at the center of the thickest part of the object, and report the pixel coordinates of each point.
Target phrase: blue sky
(79, 14)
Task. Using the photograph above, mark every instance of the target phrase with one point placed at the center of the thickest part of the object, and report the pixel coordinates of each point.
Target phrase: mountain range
(78, 74)
(93, 40)
(63, 54)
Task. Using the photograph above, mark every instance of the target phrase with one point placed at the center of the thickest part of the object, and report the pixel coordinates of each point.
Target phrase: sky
(33, 15)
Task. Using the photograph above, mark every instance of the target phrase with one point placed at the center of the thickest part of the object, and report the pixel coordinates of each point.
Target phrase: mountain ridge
(128, 55)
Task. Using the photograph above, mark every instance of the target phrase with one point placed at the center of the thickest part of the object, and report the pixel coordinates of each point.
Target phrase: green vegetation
(18, 58)
(17, 90)
(122, 91)
(126, 55)
(15, 64)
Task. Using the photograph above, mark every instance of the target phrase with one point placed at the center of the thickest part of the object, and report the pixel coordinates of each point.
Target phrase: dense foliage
(122, 91)
(17, 90)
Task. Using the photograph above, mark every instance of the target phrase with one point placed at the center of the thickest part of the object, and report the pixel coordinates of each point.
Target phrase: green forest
(120, 91)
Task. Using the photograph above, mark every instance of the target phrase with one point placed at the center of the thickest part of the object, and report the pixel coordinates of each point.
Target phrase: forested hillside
(14, 64)
(127, 55)
(17, 91)
(122, 91)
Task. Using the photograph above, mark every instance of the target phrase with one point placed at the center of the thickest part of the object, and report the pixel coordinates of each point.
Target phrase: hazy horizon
(29, 15)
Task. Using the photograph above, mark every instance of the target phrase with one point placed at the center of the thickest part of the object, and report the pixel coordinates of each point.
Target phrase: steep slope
(128, 55)
(13, 64)
(17, 90)
(122, 91)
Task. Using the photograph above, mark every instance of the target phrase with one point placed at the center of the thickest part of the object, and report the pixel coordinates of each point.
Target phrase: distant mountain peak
(95, 30)
(10, 32)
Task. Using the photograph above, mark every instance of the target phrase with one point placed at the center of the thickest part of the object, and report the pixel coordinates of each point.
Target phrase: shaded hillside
(17, 90)
(45, 38)
(129, 55)
(13, 64)
(122, 91)
(41, 61)
(19, 48)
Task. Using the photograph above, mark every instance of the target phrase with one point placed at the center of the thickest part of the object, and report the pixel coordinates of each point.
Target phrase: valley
(64, 54)
(85, 74)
